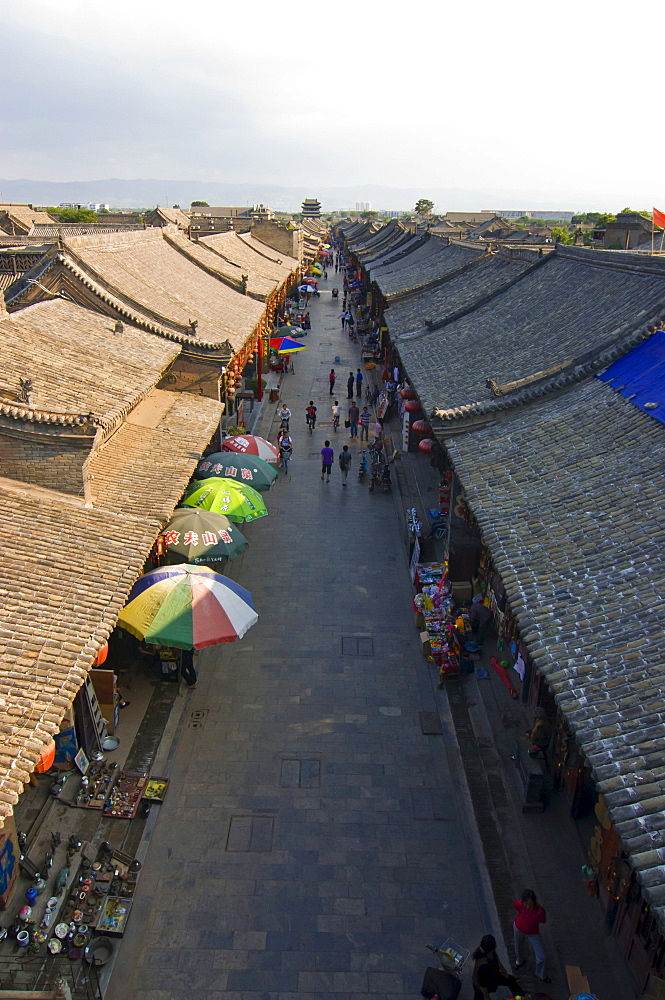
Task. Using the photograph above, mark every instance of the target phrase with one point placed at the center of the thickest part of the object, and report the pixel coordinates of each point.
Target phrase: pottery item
(31, 895)
(79, 940)
(61, 931)
(83, 929)
(77, 916)
(99, 951)
(54, 946)
(23, 938)
(25, 913)
(52, 903)
(110, 743)
(74, 954)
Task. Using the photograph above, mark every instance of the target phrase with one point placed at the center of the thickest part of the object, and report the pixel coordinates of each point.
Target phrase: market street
(313, 840)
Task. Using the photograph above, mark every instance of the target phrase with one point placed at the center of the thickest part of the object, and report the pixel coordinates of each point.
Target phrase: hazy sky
(557, 105)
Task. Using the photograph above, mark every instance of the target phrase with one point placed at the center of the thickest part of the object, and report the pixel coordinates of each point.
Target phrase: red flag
(659, 218)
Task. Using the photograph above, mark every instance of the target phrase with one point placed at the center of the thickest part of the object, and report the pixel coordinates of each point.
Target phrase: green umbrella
(225, 496)
(201, 536)
(246, 469)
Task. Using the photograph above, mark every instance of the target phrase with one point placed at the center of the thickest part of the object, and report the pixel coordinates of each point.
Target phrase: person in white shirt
(284, 416)
(335, 414)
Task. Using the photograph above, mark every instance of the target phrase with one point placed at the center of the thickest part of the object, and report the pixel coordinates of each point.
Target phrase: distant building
(554, 214)
(261, 213)
(630, 230)
(207, 219)
(363, 206)
(89, 206)
(311, 208)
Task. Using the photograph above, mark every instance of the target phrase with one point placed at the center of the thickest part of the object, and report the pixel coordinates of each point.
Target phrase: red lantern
(426, 445)
(407, 393)
(412, 406)
(421, 427)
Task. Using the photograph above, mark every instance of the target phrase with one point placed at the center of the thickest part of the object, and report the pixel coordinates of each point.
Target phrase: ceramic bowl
(54, 946)
(52, 903)
(23, 938)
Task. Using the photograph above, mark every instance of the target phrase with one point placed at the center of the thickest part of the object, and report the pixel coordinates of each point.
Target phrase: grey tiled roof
(431, 263)
(435, 305)
(568, 495)
(576, 309)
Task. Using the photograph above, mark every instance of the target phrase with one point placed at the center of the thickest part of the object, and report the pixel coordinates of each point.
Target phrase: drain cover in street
(357, 645)
(250, 833)
(300, 773)
(430, 724)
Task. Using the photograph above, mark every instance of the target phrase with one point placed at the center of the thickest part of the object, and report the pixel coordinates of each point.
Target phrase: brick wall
(54, 464)
(277, 236)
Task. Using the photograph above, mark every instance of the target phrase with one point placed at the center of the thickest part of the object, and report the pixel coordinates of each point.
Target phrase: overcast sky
(554, 105)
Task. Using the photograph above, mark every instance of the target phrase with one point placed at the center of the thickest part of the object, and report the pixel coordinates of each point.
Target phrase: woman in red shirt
(530, 915)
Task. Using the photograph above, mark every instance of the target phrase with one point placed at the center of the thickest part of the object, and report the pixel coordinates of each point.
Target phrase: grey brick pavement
(313, 839)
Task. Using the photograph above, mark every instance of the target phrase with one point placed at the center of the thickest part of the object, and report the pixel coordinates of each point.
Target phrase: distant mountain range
(120, 193)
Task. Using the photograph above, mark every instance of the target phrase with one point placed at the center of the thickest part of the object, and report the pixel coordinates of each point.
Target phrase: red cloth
(528, 921)
(659, 218)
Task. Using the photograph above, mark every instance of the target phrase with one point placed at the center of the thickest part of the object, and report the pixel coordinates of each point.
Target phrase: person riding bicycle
(335, 414)
(310, 415)
(284, 416)
(285, 450)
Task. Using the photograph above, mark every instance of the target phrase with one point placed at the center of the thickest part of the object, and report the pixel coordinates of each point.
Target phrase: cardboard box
(424, 638)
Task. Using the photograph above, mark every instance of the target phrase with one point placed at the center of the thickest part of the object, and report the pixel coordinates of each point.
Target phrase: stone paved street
(313, 839)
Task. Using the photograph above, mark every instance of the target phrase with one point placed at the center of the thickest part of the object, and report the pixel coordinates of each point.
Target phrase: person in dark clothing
(187, 670)
(350, 382)
(489, 973)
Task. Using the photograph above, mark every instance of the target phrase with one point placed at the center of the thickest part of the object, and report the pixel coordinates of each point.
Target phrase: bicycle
(286, 458)
(335, 422)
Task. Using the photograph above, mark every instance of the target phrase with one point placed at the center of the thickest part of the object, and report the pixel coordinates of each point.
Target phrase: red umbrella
(251, 444)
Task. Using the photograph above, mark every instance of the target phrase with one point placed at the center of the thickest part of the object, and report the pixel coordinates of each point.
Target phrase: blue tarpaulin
(640, 376)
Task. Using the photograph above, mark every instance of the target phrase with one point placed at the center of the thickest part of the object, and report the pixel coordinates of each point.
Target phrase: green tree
(200, 204)
(369, 215)
(424, 206)
(561, 235)
(642, 211)
(76, 215)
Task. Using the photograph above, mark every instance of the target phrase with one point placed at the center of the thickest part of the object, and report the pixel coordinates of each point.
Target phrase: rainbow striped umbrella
(187, 607)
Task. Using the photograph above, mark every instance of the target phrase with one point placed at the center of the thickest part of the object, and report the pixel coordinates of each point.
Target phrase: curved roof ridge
(117, 301)
(615, 260)
(577, 370)
(16, 411)
(183, 249)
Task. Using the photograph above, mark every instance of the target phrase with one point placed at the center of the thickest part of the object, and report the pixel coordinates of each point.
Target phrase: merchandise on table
(126, 795)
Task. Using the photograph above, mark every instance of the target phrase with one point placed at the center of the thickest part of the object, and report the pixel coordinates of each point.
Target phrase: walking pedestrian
(359, 383)
(364, 424)
(308, 321)
(342, 316)
(332, 378)
(489, 973)
(345, 463)
(378, 433)
(530, 915)
(354, 416)
(349, 386)
(350, 322)
(187, 667)
(327, 458)
(335, 267)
